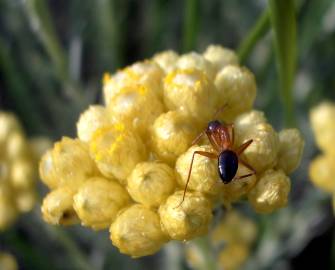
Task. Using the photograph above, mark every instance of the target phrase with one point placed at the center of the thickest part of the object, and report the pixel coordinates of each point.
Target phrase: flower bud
(90, 120)
(150, 183)
(25, 200)
(47, 170)
(137, 231)
(16, 146)
(290, 149)
(116, 151)
(204, 175)
(323, 124)
(322, 171)
(22, 174)
(246, 121)
(184, 220)
(220, 56)
(195, 60)
(166, 60)
(262, 152)
(171, 135)
(136, 106)
(8, 125)
(8, 211)
(237, 88)
(192, 92)
(57, 207)
(271, 192)
(233, 256)
(8, 262)
(98, 201)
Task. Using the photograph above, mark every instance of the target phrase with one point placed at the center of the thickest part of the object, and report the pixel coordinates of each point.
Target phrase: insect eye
(213, 125)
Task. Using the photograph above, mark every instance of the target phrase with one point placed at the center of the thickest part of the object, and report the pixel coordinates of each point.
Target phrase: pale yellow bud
(220, 56)
(237, 88)
(16, 145)
(234, 190)
(90, 120)
(8, 211)
(22, 174)
(271, 192)
(262, 152)
(25, 200)
(191, 91)
(246, 121)
(166, 60)
(47, 170)
(195, 60)
(323, 124)
(188, 219)
(71, 163)
(172, 134)
(150, 183)
(290, 149)
(137, 232)
(8, 262)
(8, 125)
(136, 106)
(322, 172)
(234, 228)
(116, 151)
(233, 256)
(204, 176)
(98, 201)
(57, 207)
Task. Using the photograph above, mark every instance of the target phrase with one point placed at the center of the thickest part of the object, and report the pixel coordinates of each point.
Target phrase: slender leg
(232, 133)
(247, 165)
(219, 110)
(197, 139)
(243, 176)
(243, 146)
(202, 153)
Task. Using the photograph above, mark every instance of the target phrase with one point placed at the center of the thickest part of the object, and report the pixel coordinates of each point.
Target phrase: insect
(222, 138)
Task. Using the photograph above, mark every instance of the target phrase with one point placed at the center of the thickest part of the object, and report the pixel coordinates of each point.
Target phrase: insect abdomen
(227, 165)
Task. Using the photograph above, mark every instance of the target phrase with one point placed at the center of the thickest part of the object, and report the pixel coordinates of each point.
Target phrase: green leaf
(191, 24)
(282, 18)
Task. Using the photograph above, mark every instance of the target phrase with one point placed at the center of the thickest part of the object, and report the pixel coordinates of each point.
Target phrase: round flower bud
(233, 256)
(25, 200)
(195, 60)
(57, 207)
(137, 232)
(22, 173)
(184, 220)
(136, 106)
(234, 190)
(16, 145)
(8, 125)
(90, 120)
(322, 171)
(271, 192)
(247, 121)
(323, 124)
(116, 151)
(237, 88)
(290, 149)
(71, 163)
(166, 60)
(220, 56)
(8, 211)
(98, 201)
(8, 262)
(47, 170)
(262, 152)
(204, 175)
(191, 91)
(171, 135)
(234, 228)
(150, 183)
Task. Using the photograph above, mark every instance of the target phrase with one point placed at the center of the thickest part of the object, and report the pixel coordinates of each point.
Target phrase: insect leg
(243, 146)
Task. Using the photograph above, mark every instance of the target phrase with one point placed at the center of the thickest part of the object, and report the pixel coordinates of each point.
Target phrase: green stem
(191, 24)
(260, 28)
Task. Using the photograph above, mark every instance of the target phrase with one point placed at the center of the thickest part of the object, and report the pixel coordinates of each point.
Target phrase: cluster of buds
(17, 171)
(128, 167)
(322, 168)
(8, 261)
(230, 243)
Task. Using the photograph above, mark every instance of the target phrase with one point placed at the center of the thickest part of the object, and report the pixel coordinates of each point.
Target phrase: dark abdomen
(227, 165)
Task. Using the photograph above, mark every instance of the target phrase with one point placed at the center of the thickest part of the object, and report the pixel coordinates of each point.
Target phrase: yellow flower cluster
(17, 171)
(8, 261)
(127, 169)
(230, 243)
(322, 168)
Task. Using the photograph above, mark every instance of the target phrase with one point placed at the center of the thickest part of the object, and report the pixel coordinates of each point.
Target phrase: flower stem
(191, 24)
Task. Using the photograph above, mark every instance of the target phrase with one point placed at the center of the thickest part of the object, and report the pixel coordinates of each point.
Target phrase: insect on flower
(222, 138)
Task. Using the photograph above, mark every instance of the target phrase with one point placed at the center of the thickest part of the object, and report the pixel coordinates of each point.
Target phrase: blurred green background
(52, 57)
